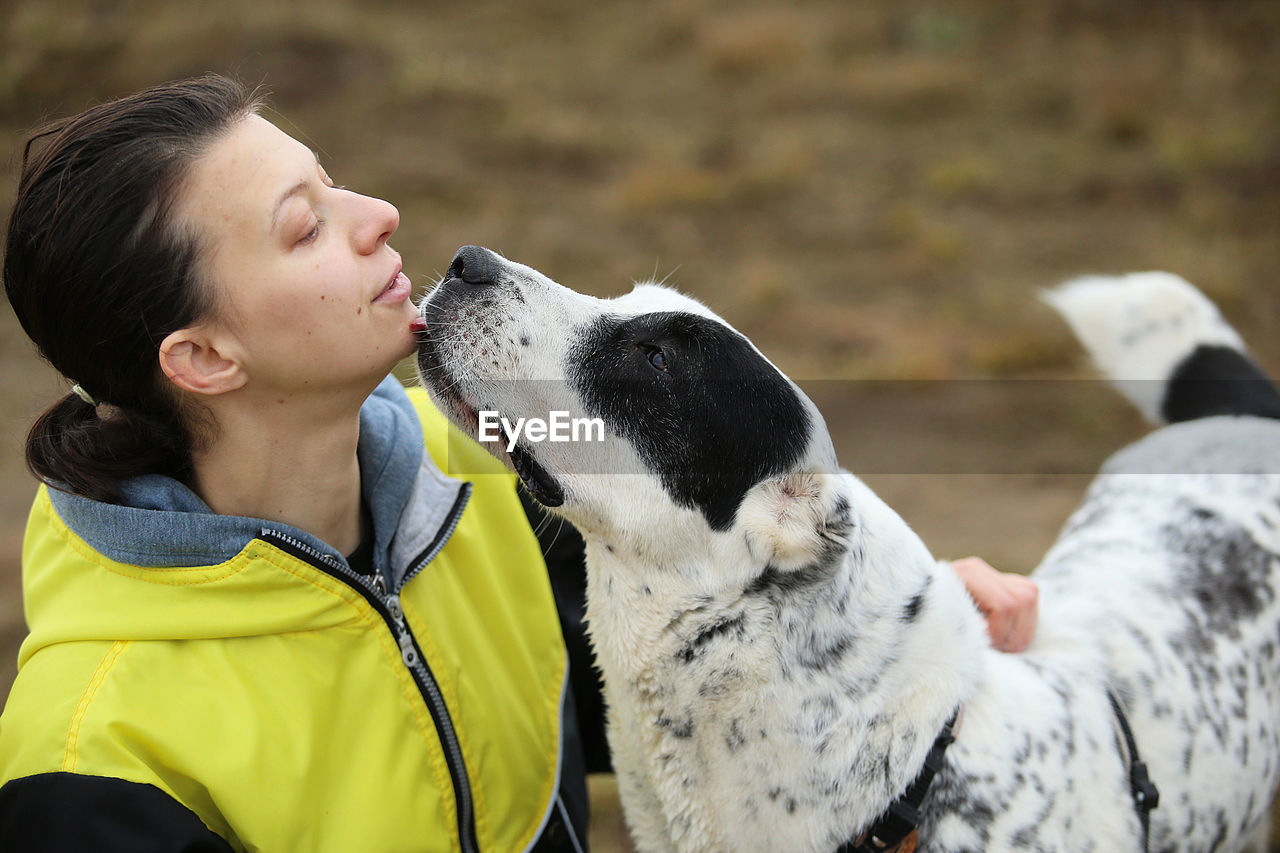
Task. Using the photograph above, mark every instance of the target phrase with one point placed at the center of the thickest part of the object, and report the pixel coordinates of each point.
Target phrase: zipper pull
(407, 652)
(379, 583)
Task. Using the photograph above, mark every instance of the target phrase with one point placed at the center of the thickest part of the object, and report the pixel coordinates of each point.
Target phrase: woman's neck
(284, 463)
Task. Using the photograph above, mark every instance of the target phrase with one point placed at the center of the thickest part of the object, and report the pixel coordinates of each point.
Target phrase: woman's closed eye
(311, 235)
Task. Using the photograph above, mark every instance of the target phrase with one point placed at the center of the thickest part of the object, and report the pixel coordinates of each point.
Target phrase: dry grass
(870, 190)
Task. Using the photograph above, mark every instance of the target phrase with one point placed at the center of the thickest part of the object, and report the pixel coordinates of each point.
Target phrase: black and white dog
(780, 650)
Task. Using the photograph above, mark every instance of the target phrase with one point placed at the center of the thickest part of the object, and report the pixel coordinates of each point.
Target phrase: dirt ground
(874, 192)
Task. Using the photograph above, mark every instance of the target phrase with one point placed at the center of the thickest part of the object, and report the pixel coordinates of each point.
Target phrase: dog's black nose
(474, 265)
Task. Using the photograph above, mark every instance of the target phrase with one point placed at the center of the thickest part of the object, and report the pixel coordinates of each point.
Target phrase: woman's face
(308, 295)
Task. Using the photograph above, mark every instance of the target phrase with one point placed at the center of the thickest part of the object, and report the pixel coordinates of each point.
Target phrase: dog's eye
(657, 358)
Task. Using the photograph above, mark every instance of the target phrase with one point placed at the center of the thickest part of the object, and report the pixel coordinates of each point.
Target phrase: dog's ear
(797, 520)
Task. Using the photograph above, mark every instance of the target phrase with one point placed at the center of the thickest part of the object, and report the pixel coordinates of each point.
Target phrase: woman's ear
(195, 361)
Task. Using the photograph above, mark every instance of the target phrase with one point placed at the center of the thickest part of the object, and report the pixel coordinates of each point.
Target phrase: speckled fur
(774, 686)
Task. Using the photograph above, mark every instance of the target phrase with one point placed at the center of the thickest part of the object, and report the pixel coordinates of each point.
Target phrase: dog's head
(669, 417)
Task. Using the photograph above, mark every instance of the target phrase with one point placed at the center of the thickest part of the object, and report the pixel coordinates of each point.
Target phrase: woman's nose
(376, 221)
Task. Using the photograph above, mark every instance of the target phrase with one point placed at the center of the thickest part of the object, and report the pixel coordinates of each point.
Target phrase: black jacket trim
(71, 813)
(564, 552)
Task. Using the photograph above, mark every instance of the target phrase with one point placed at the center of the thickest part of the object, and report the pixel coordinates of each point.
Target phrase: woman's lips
(397, 289)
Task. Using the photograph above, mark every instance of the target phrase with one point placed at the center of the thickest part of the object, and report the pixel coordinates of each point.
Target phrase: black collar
(903, 815)
(1145, 795)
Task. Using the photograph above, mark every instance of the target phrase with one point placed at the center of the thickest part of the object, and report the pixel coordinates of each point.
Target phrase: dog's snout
(474, 265)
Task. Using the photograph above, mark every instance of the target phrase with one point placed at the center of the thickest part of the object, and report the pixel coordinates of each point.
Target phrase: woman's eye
(657, 358)
(311, 235)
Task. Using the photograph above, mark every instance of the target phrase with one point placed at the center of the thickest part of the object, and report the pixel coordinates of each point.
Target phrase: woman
(260, 617)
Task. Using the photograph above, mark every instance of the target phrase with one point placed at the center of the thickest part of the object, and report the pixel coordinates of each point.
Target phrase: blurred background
(873, 192)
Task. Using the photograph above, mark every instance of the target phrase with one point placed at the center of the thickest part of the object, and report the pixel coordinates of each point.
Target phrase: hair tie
(79, 391)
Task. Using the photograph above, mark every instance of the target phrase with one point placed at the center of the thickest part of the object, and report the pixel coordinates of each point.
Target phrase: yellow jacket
(283, 700)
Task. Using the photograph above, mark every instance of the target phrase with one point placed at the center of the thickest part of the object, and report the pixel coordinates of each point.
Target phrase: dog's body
(780, 650)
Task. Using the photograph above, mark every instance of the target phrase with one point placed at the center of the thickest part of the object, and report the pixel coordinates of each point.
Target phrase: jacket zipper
(388, 607)
(442, 535)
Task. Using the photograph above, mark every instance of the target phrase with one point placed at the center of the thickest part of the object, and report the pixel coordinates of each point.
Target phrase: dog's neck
(871, 652)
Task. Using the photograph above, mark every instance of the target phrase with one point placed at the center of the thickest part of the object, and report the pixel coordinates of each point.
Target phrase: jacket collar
(162, 523)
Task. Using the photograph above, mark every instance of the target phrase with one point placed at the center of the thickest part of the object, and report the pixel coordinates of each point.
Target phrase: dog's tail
(1165, 346)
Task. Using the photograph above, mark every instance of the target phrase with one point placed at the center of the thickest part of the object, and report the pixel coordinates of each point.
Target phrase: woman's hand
(1007, 600)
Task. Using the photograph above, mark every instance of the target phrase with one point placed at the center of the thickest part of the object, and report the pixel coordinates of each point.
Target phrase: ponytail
(88, 450)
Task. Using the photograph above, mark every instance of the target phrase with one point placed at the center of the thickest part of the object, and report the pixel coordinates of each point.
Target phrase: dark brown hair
(98, 272)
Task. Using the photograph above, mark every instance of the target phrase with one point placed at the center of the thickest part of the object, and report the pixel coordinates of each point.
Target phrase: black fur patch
(681, 728)
(773, 581)
(715, 422)
(1223, 571)
(1217, 380)
(730, 624)
(911, 612)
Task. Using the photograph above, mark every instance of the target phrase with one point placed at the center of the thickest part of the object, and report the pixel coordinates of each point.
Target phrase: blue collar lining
(162, 523)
